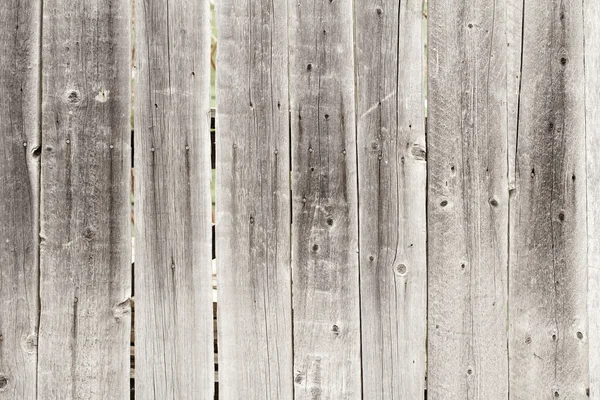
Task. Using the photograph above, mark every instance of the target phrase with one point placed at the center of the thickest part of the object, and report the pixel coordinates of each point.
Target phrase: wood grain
(20, 24)
(85, 254)
(592, 118)
(253, 202)
(392, 182)
(325, 210)
(173, 281)
(467, 201)
(548, 240)
(514, 61)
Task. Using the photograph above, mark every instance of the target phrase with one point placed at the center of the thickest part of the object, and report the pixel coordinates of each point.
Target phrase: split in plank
(392, 187)
(20, 24)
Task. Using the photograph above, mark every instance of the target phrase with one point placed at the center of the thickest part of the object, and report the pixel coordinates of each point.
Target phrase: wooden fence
(359, 255)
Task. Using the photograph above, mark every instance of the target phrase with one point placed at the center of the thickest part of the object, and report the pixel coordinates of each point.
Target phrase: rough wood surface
(20, 24)
(514, 59)
(253, 202)
(85, 254)
(468, 201)
(392, 182)
(325, 210)
(548, 240)
(173, 281)
(592, 117)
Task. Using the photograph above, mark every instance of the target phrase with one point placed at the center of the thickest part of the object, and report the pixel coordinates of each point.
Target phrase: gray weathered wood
(85, 254)
(592, 89)
(325, 210)
(468, 200)
(20, 24)
(253, 202)
(173, 274)
(514, 37)
(392, 178)
(548, 240)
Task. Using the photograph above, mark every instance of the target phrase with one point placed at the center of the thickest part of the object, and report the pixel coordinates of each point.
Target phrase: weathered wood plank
(468, 200)
(173, 274)
(392, 182)
(325, 210)
(548, 240)
(592, 89)
(253, 202)
(20, 24)
(85, 254)
(514, 37)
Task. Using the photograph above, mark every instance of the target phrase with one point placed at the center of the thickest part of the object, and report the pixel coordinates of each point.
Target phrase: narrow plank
(592, 89)
(392, 180)
(325, 262)
(548, 240)
(173, 274)
(85, 253)
(467, 200)
(253, 202)
(20, 24)
(514, 39)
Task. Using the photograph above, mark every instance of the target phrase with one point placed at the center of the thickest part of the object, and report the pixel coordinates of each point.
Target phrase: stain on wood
(548, 239)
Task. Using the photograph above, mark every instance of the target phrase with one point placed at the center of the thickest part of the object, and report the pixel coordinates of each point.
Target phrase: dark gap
(356, 160)
(213, 155)
(39, 183)
(213, 165)
(425, 36)
(132, 215)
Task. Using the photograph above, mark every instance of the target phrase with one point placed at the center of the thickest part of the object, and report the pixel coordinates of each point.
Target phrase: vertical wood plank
(468, 200)
(20, 24)
(253, 202)
(325, 210)
(173, 274)
(85, 254)
(514, 59)
(548, 239)
(392, 182)
(592, 89)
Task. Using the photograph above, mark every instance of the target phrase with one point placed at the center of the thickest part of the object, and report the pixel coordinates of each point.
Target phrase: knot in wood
(88, 233)
(418, 152)
(401, 269)
(73, 96)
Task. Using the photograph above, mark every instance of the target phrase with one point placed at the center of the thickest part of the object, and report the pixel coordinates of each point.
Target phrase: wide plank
(392, 181)
(467, 200)
(325, 264)
(85, 254)
(253, 202)
(548, 239)
(173, 229)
